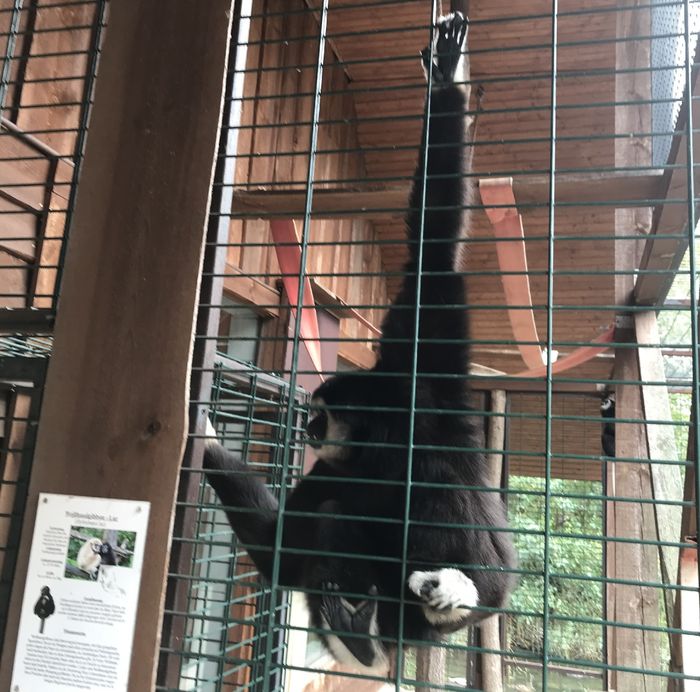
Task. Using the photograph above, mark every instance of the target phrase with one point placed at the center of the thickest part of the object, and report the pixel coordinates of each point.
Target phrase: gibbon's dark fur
(368, 414)
(607, 437)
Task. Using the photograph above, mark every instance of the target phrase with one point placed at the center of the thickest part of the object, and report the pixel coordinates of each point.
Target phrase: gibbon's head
(95, 545)
(336, 418)
(45, 591)
(607, 405)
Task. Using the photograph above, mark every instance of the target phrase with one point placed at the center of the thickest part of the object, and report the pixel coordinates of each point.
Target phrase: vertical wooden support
(626, 603)
(684, 648)
(666, 480)
(431, 667)
(689, 617)
(492, 664)
(204, 351)
(114, 416)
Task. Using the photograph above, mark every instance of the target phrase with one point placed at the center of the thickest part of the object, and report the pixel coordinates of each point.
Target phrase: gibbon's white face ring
(323, 427)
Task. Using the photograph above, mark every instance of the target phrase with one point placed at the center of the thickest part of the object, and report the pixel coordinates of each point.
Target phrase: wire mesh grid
(49, 51)
(588, 115)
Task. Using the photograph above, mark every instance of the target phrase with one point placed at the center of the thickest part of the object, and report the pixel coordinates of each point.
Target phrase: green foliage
(569, 597)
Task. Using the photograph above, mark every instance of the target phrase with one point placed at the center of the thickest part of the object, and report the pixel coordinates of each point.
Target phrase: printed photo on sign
(91, 550)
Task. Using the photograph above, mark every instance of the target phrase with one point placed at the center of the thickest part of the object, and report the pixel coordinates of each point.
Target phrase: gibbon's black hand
(446, 49)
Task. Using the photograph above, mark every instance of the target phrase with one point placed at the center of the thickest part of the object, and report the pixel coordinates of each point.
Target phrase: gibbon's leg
(442, 318)
(357, 614)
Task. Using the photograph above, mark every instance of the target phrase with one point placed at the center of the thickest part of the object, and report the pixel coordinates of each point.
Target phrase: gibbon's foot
(448, 594)
(361, 619)
(448, 39)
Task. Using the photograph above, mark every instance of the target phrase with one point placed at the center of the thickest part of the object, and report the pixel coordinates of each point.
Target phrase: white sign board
(79, 609)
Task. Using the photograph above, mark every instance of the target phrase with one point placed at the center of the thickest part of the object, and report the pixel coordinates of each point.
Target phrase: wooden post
(430, 667)
(492, 664)
(684, 647)
(666, 480)
(204, 352)
(114, 415)
(627, 603)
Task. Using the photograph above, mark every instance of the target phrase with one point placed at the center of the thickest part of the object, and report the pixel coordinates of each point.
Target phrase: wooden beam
(684, 647)
(666, 481)
(431, 668)
(113, 421)
(690, 620)
(214, 269)
(629, 648)
(263, 297)
(624, 189)
(492, 663)
(356, 352)
(661, 253)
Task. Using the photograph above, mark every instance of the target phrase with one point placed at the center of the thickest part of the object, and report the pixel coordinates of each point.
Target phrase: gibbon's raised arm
(437, 215)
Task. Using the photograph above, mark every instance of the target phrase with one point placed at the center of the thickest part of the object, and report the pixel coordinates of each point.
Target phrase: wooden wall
(41, 118)
(274, 143)
(526, 436)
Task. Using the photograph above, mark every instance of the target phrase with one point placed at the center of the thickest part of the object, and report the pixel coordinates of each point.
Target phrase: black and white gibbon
(44, 607)
(607, 436)
(344, 535)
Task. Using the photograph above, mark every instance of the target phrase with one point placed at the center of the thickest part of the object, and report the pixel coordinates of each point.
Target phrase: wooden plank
(18, 230)
(113, 416)
(492, 663)
(666, 480)
(186, 523)
(14, 280)
(251, 291)
(661, 253)
(625, 189)
(688, 533)
(431, 668)
(59, 49)
(15, 409)
(628, 603)
(635, 563)
(690, 620)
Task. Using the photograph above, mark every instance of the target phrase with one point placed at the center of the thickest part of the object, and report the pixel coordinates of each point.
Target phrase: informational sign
(81, 593)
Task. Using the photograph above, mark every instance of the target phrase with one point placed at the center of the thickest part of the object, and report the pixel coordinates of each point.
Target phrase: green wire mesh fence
(589, 108)
(588, 113)
(48, 52)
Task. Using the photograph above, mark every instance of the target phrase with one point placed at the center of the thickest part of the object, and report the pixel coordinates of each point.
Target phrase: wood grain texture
(114, 414)
(666, 479)
(627, 603)
(492, 663)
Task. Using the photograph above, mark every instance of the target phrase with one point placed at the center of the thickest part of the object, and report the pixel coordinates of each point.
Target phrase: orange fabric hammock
(500, 207)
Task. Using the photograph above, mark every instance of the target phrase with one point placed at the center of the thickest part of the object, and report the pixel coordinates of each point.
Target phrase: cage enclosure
(579, 256)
